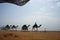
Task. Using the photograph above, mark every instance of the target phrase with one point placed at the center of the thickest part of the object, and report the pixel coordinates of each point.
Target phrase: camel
(36, 26)
(17, 2)
(7, 27)
(14, 27)
(25, 27)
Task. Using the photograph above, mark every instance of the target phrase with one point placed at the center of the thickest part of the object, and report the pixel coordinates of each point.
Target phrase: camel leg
(36, 29)
(33, 29)
(27, 30)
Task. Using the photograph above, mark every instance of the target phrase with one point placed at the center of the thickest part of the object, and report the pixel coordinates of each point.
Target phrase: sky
(44, 12)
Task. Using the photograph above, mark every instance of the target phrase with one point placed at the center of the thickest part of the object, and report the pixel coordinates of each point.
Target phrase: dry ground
(18, 35)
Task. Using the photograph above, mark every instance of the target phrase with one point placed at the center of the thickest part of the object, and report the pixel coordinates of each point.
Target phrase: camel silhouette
(25, 27)
(17, 2)
(14, 27)
(36, 26)
(7, 27)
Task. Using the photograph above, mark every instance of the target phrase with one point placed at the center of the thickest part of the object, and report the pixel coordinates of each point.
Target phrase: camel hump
(24, 25)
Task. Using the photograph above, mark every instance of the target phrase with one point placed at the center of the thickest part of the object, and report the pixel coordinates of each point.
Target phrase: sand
(29, 35)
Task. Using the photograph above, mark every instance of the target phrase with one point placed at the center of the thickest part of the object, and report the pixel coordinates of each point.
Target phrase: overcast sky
(45, 12)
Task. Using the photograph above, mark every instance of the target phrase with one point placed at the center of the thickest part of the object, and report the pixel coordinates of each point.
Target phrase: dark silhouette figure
(25, 27)
(7, 27)
(36, 26)
(14, 27)
(17, 2)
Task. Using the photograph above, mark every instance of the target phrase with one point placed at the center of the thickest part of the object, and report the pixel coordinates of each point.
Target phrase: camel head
(28, 25)
(17, 2)
(17, 26)
(40, 25)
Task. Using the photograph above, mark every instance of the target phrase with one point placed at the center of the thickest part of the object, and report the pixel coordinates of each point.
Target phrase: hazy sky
(45, 12)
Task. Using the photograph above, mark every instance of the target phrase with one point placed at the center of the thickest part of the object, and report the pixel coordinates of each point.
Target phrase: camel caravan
(23, 28)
